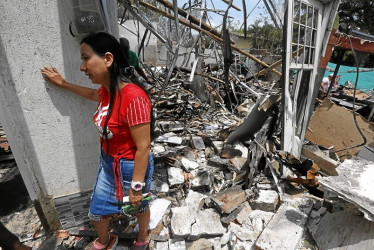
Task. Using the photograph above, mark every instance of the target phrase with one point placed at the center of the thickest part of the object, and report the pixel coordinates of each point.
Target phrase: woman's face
(94, 66)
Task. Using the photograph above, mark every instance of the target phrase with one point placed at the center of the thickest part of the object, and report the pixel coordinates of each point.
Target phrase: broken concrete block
(244, 213)
(225, 238)
(265, 186)
(344, 230)
(242, 245)
(207, 224)
(161, 245)
(158, 208)
(170, 138)
(266, 201)
(188, 164)
(237, 213)
(230, 217)
(175, 176)
(218, 162)
(177, 244)
(162, 236)
(228, 200)
(201, 156)
(243, 232)
(181, 220)
(355, 184)
(229, 152)
(158, 149)
(238, 163)
(168, 126)
(217, 145)
(201, 180)
(190, 153)
(215, 243)
(195, 199)
(325, 163)
(163, 187)
(259, 219)
(208, 152)
(200, 244)
(286, 228)
(197, 142)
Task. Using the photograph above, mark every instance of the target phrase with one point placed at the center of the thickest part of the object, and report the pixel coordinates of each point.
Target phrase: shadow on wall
(85, 138)
(14, 123)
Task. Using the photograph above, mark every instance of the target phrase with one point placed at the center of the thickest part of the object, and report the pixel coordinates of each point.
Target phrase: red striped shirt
(134, 108)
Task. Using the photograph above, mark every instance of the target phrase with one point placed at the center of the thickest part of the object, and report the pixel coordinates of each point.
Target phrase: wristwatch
(137, 185)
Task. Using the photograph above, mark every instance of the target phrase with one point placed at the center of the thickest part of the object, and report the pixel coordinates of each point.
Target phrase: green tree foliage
(264, 35)
(358, 14)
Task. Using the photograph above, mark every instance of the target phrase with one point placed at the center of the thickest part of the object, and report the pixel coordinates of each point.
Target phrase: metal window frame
(296, 115)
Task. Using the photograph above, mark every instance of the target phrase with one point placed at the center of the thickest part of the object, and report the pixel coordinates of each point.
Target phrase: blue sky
(216, 19)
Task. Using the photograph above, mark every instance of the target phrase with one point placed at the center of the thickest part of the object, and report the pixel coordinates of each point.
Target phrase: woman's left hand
(135, 197)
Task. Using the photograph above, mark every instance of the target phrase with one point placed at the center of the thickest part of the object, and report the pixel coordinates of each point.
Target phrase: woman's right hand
(52, 76)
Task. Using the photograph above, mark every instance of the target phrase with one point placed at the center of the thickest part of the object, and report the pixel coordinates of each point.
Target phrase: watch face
(138, 186)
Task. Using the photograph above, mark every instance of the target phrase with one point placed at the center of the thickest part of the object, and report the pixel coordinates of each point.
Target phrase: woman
(123, 118)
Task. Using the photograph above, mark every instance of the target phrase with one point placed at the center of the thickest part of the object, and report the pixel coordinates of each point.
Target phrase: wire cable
(354, 101)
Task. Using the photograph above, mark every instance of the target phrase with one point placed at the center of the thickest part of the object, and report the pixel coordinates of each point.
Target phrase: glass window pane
(303, 13)
(293, 79)
(293, 59)
(314, 34)
(295, 33)
(310, 16)
(312, 55)
(302, 35)
(296, 11)
(315, 18)
(302, 100)
(306, 55)
(308, 36)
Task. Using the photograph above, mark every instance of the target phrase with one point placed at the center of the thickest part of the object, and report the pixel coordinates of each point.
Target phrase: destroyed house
(224, 140)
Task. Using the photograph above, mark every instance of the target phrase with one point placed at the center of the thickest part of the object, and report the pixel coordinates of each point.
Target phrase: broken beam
(209, 77)
(235, 7)
(189, 17)
(277, 63)
(219, 39)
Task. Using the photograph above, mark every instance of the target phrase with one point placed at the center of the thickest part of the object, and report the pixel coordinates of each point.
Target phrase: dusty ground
(17, 213)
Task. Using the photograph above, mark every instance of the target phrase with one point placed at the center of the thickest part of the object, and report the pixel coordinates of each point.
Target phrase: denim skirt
(103, 199)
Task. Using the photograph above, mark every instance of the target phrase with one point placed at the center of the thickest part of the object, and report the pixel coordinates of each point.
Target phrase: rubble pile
(222, 182)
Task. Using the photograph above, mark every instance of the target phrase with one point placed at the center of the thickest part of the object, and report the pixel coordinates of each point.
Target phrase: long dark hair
(102, 43)
(125, 45)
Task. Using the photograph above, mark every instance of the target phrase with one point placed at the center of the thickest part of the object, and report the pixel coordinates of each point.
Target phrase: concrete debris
(188, 164)
(228, 200)
(207, 224)
(195, 199)
(267, 200)
(175, 176)
(190, 223)
(181, 220)
(286, 228)
(352, 231)
(354, 183)
(177, 244)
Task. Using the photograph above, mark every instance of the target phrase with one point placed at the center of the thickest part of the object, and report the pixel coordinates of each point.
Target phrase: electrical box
(86, 16)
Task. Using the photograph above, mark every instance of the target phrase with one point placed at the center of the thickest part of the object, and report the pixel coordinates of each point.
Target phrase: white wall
(51, 132)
